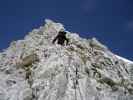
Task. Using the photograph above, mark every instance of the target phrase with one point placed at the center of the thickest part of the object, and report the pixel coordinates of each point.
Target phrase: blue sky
(111, 21)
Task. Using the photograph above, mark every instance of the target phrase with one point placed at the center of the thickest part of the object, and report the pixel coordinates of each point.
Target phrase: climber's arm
(55, 39)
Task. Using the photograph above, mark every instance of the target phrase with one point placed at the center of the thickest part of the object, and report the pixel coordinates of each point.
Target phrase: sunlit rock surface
(36, 69)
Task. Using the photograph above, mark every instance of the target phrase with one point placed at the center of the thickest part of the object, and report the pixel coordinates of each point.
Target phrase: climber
(61, 38)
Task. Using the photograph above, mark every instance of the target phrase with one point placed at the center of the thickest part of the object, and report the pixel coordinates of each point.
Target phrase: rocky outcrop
(36, 69)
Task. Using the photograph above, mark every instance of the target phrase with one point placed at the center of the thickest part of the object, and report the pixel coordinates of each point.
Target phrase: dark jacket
(61, 38)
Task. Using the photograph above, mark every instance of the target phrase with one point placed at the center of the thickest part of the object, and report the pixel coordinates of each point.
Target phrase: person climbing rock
(61, 38)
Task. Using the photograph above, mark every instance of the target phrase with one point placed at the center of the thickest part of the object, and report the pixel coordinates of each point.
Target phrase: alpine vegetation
(51, 63)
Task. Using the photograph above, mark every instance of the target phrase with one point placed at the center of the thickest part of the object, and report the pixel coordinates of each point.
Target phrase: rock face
(36, 69)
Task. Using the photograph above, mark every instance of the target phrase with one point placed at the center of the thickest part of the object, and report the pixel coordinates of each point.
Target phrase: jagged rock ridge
(36, 69)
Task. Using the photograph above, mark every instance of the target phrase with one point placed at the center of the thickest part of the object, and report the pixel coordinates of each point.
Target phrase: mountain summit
(36, 69)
